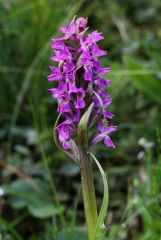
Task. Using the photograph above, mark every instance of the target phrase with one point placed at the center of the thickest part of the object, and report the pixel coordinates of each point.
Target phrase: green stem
(88, 191)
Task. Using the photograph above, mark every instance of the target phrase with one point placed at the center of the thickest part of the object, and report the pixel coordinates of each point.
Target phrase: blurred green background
(40, 194)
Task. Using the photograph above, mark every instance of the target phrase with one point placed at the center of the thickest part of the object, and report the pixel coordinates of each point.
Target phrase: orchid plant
(83, 100)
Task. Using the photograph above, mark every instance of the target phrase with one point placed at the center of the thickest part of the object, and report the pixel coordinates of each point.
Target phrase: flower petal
(98, 138)
(108, 114)
(108, 142)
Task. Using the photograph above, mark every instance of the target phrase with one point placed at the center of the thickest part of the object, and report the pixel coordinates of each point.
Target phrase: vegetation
(40, 194)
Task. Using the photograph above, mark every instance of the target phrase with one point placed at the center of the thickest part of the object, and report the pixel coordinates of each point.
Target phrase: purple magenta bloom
(97, 52)
(69, 30)
(61, 55)
(81, 24)
(81, 81)
(64, 130)
(107, 114)
(56, 75)
(80, 103)
(94, 37)
(102, 82)
(104, 131)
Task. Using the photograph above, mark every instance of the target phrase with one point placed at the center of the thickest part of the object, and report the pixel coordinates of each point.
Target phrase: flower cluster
(80, 82)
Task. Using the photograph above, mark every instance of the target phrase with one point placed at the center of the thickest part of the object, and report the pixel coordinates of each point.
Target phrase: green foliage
(28, 155)
(150, 197)
(38, 201)
(144, 78)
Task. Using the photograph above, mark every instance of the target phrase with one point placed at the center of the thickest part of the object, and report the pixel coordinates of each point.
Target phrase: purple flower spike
(81, 81)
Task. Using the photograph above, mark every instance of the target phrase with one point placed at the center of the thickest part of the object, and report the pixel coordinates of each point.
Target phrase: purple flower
(63, 106)
(69, 30)
(97, 52)
(81, 24)
(107, 114)
(80, 103)
(57, 44)
(104, 131)
(80, 82)
(56, 75)
(64, 130)
(94, 37)
(61, 55)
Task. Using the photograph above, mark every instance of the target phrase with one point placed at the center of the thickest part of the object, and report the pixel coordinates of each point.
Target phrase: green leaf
(42, 209)
(99, 230)
(82, 128)
(39, 203)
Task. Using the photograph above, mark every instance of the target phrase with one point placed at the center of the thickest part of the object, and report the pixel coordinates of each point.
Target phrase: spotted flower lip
(80, 81)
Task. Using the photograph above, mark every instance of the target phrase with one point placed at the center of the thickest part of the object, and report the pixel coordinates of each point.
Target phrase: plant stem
(88, 191)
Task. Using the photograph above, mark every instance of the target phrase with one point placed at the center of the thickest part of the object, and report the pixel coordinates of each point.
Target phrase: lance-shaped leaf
(83, 128)
(99, 230)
